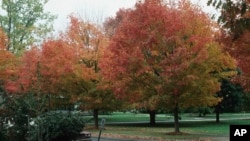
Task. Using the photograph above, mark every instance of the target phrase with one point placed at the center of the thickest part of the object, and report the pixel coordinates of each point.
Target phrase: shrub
(57, 127)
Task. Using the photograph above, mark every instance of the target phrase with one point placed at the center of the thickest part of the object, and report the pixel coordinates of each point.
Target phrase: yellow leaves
(8, 65)
(5, 57)
(220, 61)
(199, 81)
(154, 53)
(3, 40)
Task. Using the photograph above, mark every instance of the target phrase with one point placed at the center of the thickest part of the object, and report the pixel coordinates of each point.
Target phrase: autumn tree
(90, 40)
(110, 27)
(24, 22)
(165, 53)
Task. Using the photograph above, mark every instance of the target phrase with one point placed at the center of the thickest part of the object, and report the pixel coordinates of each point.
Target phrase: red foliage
(165, 55)
(240, 50)
(153, 38)
(8, 64)
(47, 70)
(9, 70)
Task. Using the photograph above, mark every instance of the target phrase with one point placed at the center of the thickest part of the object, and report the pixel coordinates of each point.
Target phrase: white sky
(92, 10)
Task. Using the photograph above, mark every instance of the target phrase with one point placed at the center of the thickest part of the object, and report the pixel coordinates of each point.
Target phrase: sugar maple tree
(90, 40)
(165, 53)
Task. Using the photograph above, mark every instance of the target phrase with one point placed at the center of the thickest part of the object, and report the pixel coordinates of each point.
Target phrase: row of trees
(157, 55)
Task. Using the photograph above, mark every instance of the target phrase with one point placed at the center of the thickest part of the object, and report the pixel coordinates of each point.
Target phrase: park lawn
(131, 125)
(143, 117)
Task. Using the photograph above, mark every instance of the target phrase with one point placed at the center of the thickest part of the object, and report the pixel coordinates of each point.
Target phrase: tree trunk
(95, 114)
(152, 114)
(200, 114)
(217, 115)
(176, 120)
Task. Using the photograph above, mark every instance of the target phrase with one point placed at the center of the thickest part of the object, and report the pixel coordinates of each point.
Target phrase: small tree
(232, 98)
(89, 39)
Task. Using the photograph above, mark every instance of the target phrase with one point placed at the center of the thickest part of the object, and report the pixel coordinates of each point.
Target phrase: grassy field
(130, 125)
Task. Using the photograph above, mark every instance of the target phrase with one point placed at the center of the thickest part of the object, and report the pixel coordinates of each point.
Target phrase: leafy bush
(56, 127)
(17, 110)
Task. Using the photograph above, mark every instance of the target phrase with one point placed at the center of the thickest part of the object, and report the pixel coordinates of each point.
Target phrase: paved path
(201, 139)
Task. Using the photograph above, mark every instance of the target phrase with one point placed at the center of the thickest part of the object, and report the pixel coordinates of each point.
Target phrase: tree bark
(176, 119)
(152, 114)
(95, 114)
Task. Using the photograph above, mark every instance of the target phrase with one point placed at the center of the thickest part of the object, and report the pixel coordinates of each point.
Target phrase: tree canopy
(166, 52)
(90, 40)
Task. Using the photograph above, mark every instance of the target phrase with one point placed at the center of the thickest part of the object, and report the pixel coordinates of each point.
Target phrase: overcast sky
(93, 10)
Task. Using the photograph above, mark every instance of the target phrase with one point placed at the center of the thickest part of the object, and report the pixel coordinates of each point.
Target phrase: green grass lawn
(193, 129)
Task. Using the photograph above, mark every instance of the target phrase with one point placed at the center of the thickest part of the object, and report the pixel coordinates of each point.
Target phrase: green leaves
(232, 97)
(25, 23)
(234, 16)
(57, 126)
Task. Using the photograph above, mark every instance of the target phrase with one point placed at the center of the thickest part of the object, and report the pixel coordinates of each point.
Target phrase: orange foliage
(167, 49)
(48, 70)
(90, 41)
(3, 40)
(8, 62)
